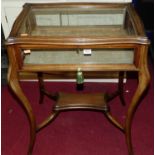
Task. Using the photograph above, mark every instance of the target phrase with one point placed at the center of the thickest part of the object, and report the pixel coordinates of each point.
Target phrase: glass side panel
(81, 56)
(75, 22)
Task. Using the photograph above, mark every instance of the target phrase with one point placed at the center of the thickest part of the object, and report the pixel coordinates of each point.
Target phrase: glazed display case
(78, 38)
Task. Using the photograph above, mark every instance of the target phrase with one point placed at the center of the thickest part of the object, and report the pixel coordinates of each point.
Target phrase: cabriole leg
(14, 85)
(13, 82)
(120, 88)
(143, 81)
(41, 87)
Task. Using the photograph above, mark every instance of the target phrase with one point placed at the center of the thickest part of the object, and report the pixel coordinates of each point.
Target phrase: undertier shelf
(94, 101)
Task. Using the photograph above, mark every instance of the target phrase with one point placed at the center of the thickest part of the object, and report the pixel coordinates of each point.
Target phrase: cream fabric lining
(105, 31)
(75, 57)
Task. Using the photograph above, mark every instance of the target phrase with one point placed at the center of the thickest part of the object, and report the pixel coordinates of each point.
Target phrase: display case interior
(77, 22)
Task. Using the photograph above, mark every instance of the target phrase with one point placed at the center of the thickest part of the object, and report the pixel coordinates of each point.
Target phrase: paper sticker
(24, 34)
(87, 51)
(27, 51)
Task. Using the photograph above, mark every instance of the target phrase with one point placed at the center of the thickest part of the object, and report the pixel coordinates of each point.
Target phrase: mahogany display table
(78, 38)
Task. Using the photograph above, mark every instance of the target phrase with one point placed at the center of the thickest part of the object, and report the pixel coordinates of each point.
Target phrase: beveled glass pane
(89, 56)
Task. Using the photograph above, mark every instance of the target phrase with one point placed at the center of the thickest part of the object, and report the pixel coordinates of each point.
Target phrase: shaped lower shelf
(94, 101)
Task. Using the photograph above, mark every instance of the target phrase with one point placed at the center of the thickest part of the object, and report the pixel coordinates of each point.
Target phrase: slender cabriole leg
(43, 91)
(41, 87)
(120, 88)
(143, 81)
(119, 92)
(15, 87)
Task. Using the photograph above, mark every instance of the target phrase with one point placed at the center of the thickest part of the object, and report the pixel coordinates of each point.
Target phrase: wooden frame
(138, 42)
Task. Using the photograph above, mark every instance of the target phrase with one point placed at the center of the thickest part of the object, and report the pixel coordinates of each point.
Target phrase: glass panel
(76, 22)
(81, 56)
(78, 18)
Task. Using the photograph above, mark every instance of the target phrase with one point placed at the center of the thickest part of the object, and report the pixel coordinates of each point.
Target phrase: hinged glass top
(77, 22)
